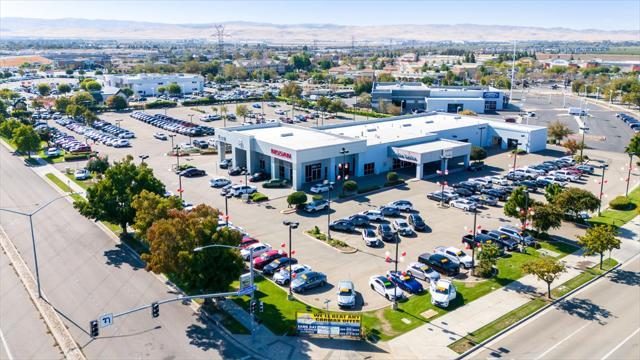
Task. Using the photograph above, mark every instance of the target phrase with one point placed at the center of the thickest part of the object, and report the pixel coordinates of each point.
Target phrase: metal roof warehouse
(424, 142)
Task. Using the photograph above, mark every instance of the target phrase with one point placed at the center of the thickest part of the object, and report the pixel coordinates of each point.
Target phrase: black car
(482, 239)
(531, 185)
(342, 225)
(505, 240)
(278, 264)
(476, 166)
(200, 144)
(467, 185)
(226, 163)
(391, 211)
(259, 176)
(359, 220)
(463, 191)
(514, 176)
(191, 172)
(416, 222)
(440, 263)
(386, 232)
(237, 171)
(439, 196)
(497, 193)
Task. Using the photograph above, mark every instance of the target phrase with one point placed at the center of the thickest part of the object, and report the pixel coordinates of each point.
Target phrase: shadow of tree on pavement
(585, 309)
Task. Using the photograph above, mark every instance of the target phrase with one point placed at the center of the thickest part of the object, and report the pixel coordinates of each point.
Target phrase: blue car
(405, 282)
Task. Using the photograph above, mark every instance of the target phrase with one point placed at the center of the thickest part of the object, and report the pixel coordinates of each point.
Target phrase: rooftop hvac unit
(457, 117)
(429, 122)
(286, 134)
(370, 130)
(405, 125)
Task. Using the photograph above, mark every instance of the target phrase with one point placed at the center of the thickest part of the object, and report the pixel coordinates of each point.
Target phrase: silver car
(423, 272)
(346, 294)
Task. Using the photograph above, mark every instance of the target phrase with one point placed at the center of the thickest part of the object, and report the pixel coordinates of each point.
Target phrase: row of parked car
(93, 134)
(172, 124)
(633, 123)
(111, 129)
(67, 142)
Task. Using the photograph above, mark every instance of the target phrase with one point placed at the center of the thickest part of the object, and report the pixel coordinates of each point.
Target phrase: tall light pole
(442, 184)
(584, 129)
(33, 237)
(191, 120)
(172, 136)
(291, 225)
(513, 70)
(514, 154)
(473, 247)
(602, 182)
(143, 158)
(330, 183)
(344, 169)
(631, 154)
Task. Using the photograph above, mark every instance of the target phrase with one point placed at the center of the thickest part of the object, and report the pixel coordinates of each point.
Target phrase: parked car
(53, 152)
(440, 263)
(359, 220)
(443, 196)
(219, 182)
(200, 144)
(308, 281)
(320, 188)
(405, 281)
(481, 240)
(370, 238)
(502, 239)
(484, 200)
(390, 211)
(587, 169)
(386, 288)
(237, 171)
(463, 191)
(423, 272)
(476, 166)
(316, 205)
(248, 241)
(401, 226)
(258, 249)
(226, 163)
(416, 222)
(373, 215)
(266, 258)
(456, 255)
(81, 174)
(278, 264)
(192, 172)
(346, 294)
(472, 186)
(283, 277)
(386, 233)
(442, 292)
(239, 190)
(259, 176)
(464, 204)
(342, 225)
(402, 205)
(518, 235)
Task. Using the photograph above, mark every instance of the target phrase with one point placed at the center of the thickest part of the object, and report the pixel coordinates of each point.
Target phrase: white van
(577, 111)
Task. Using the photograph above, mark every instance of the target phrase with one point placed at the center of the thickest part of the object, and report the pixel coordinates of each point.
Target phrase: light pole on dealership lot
(330, 183)
(394, 305)
(172, 136)
(602, 182)
(33, 237)
(344, 168)
(442, 184)
(631, 154)
(143, 158)
(118, 121)
(291, 225)
(584, 129)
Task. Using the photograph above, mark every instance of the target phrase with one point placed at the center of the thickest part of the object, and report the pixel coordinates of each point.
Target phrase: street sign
(247, 290)
(245, 280)
(106, 320)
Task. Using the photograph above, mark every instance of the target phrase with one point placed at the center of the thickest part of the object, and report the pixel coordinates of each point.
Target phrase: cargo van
(577, 111)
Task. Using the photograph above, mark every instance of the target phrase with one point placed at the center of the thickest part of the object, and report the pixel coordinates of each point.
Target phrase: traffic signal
(261, 306)
(253, 307)
(93, 326)
(155, 310)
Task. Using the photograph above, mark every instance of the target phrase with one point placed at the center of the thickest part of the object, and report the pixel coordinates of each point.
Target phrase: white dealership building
(425, 142)
(148, 84)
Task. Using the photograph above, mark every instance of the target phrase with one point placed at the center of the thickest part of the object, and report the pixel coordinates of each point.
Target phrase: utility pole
(602, 181)
(513, 68)
(220, 34)
(626, 193)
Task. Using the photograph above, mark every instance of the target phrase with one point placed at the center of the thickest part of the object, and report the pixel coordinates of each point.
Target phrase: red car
(246, 241)
(260, 262)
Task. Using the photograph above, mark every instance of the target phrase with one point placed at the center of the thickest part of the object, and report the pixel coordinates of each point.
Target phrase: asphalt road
(85, 274)
(599, 322)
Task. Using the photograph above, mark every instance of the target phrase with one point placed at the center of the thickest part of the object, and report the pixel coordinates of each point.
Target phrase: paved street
(85, 274)
(599, 322)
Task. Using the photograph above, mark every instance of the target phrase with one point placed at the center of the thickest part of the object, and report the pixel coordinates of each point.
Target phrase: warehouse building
(148, 84)
(416, 96)
(423, 143)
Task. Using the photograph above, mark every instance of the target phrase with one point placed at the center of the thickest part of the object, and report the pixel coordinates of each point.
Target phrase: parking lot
(264, 220)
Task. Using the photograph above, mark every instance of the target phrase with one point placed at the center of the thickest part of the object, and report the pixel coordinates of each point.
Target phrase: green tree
(98, 164)
(8, 126)
(558, 131)
(546, 269)
(478, 153)
(386, 77)
(64, 88)
(572, 146)
(362, 85)
(83, 98)
(517, 203)
(300, 61)
(174, 89)
(172, 241)
(323, 103)
(575, 200)
(634, 145)
(110, 199)
(552, 191)
(291, 90)
(268, 96)
(296, 198)
(44, 89)
(350, 186)
(599, 239)
(487, 259)
(545, 217)
(61, 104)
(242, 110)
(128, 92)
(26, 139)
(161, 89)
(336, 106)
(290, 76)
(92, 86)
(364, 100)
(151, 207)
(392, 177)
(116, 102)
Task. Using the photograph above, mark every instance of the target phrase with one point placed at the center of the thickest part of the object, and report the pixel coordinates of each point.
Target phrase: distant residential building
(416, 96)
(261, 64)
(148, 84)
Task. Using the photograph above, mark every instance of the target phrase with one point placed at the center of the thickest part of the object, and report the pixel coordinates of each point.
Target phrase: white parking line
(561, 341)
(6, 346)
(620, 344)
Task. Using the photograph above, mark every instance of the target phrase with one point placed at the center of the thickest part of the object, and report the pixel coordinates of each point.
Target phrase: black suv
(359, 220)
(440, 263)
(386, 233)
(416, 222)
(342, 225)
(226, 163)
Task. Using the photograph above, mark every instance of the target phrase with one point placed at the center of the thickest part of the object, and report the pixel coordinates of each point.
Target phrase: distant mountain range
(252, 32)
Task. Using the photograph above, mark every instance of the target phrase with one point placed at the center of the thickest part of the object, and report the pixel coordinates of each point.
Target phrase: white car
(571, 176)
(186, 146)
(485, 183)
(187, 206)
(464, 204)
(553, 180)
(53, 152)
(160, 136)
(442, 293)
(386, 288)
(456, 255)
(320, 188)
(497, 180)
(121, 143)
(258, 249)
(370, 238)
(219, 182)
(423, 272)
(243, 189)
(401, 226)
(282, 277)
(81, 174)
(403, 205)
(373, 215)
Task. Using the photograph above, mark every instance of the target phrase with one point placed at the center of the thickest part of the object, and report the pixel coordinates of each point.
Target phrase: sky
(574, 14)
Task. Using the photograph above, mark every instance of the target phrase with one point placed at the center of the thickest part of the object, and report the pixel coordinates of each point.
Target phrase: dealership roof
(437, 145)
(293, 137)
(403, 128)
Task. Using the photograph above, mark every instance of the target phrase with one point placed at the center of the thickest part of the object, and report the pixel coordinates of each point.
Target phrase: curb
(355, 250)
(58, 330)
(530, 316)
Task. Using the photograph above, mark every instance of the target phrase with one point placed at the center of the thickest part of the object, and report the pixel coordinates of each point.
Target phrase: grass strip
(619, 217)
(64, 187)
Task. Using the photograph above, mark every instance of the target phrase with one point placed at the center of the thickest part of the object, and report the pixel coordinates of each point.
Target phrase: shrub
(350, 186)
(317, 197)
(392, 177)
(258, 197)
(159, 104)
(297, 198)
(98, 164)
(621, 203)
(580, 159)
(518, 151)
(368, 189)
(478, 153)
(78, 156)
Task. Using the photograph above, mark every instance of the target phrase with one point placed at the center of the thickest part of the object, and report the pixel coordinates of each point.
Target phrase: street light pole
(584, 130)
(344, 153)
(143, 157)
(330, 183)
(291, 225)
(473, 247)
(33, 237)
(172, 136)
(626, 193)
(191, 120)
(602, 181)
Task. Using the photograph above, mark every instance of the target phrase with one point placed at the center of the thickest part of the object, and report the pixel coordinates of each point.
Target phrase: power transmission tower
(220, 35)
(353, 44)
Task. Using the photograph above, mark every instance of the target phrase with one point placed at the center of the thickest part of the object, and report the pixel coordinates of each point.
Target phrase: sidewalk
(45, 168)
